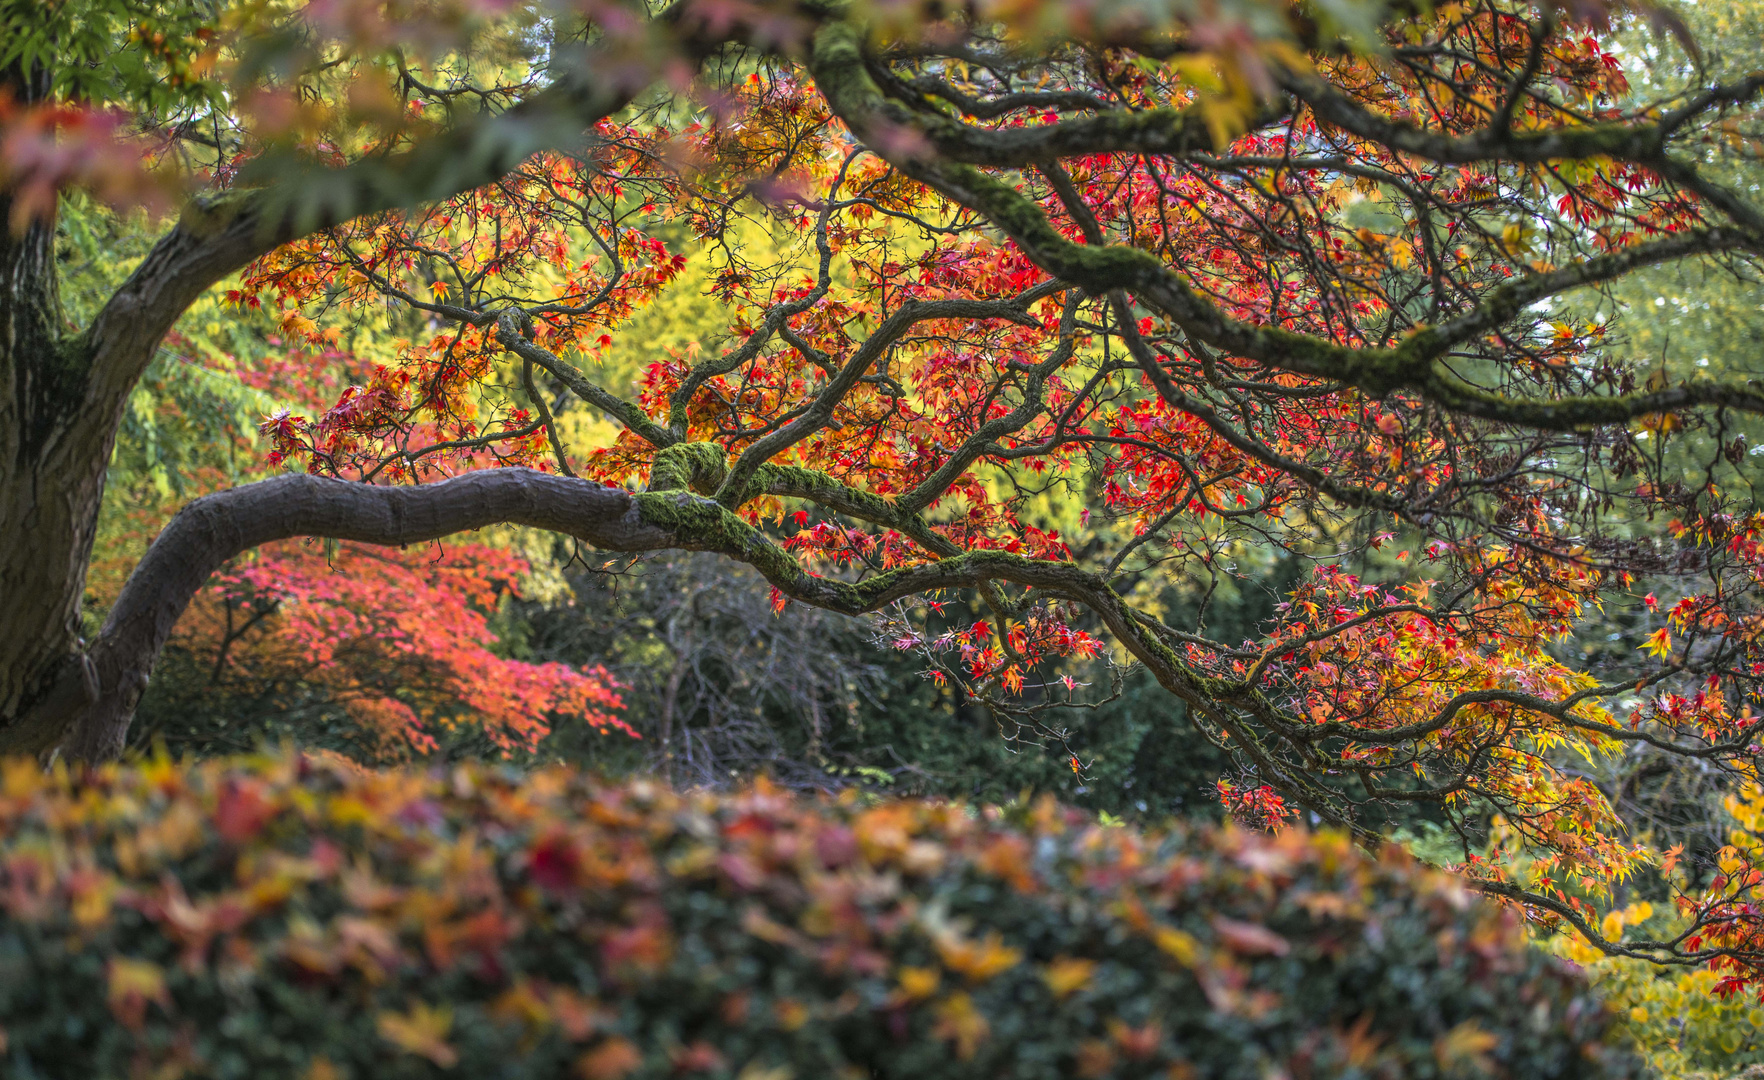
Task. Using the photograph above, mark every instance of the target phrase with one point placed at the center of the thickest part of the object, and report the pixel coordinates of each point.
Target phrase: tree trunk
(48, 513)
(51, 466)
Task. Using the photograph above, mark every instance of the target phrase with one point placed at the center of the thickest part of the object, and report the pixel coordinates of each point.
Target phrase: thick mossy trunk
(47, 515)
(52, 468)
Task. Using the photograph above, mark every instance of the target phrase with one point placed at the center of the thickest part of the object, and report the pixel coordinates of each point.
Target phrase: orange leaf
(613, 1059)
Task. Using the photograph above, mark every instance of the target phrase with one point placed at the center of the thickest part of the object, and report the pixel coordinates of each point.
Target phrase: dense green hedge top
(292, 916)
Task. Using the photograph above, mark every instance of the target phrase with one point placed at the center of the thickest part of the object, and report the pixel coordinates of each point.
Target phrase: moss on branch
(689, 466)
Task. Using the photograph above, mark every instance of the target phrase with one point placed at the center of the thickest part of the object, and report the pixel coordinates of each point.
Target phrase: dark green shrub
(298, 917)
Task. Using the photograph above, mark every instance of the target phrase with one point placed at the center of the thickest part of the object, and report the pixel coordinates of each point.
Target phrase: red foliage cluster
(400, 639)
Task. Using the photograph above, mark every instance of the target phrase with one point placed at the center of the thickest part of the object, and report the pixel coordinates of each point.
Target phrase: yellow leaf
(917, 983)
(1179, 945)
(1067, 975)
(296, 323)
(422, 1031)
(132, 984)
(1465, 1047)
(961, 1023)
(977, 961)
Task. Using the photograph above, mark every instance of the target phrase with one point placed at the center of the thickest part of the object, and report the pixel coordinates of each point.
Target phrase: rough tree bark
(62, 396)
(51, 471)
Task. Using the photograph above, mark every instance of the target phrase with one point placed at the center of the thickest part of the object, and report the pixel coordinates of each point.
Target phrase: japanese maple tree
(387, 651)
(1262, 276)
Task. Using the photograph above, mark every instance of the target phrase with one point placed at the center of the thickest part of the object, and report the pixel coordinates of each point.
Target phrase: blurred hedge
(298, 917)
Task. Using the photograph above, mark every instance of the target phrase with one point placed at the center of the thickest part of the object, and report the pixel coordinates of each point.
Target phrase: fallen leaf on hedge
(553, 862)
(611, 1060)
(21, 778)
(422, 1031)
(92, 892)
(639, 951)
(882, 832)
(1358, 1044)
(576, 1015)
(1328, 905)
(132, 984)
(835, 846)
(977, 961)
(755, 921)
(1007, 856)
(735, 1008)
(917, 983)
(1067, 975)
(1248, 939)
(959, 1022)
(1179, 945)
(366, 892)
(699, 1057)
(519, 1004)
(1257, 853)
(922, 857)
(172, 836)
(241, 810)
(309, 947)
(742, 872)
(1465, 1046)
(1096, 1059)
(367, 940)
(1138, 1043)
(791, 1014)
